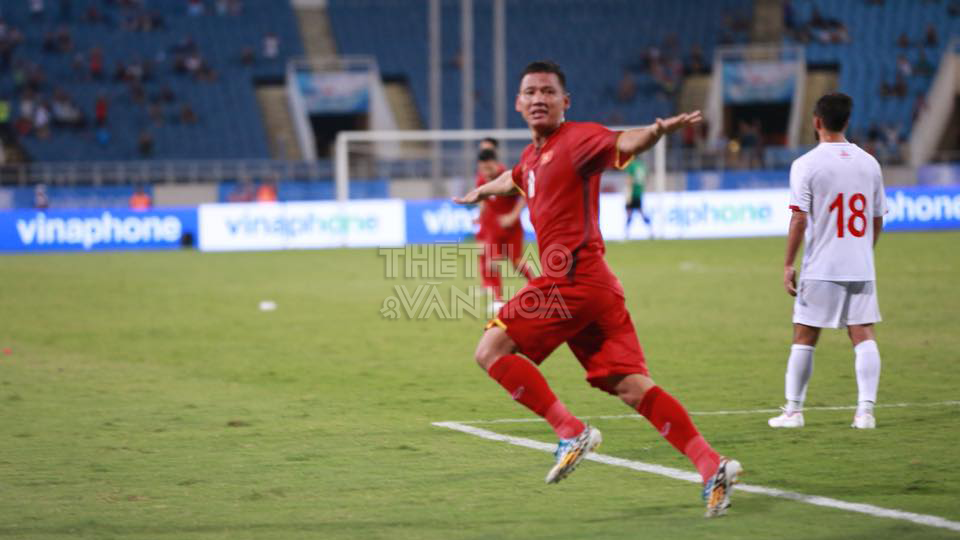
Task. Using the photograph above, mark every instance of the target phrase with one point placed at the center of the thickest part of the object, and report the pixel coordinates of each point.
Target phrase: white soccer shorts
(835, 304)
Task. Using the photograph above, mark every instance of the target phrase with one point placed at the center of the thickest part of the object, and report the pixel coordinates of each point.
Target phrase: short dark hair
(545, 66)
(487, 155)
(493, 142)
(834, 109)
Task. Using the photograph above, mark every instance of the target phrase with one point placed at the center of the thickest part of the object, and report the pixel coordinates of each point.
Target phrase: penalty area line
(722, 413)
(677, 474)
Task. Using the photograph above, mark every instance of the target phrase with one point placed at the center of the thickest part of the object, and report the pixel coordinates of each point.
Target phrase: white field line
(720, 413)
(669, 472)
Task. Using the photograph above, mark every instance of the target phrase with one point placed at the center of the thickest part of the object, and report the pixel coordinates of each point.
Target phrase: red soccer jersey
(561, 182)
(494, 207)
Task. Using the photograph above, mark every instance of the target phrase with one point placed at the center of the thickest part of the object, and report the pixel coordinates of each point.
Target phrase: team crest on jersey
(546, 157)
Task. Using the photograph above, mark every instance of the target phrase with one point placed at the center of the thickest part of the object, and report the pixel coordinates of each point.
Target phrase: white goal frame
(344, 138)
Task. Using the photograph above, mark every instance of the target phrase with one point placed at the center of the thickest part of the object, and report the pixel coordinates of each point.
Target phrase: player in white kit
(837, 198)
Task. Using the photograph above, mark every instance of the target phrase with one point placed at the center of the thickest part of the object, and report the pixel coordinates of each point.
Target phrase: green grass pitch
(145, 395)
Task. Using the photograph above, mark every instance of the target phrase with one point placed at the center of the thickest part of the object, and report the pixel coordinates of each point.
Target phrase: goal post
(441, 162)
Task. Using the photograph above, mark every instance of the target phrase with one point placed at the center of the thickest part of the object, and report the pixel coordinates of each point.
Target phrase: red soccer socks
(673, 423)
(525, 384)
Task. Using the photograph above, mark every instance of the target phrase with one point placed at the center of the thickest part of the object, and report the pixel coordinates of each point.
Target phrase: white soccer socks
(799, 370)
(868, 375)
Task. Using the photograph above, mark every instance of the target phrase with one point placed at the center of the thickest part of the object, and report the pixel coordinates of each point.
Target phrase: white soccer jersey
(840, 187)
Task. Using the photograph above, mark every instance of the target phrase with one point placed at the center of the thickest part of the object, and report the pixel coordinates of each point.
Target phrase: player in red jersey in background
(501, 233)
(578, 300)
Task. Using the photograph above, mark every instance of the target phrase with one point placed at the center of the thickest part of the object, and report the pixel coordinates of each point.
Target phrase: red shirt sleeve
(595, 149)
(518, 178)
(480, 180)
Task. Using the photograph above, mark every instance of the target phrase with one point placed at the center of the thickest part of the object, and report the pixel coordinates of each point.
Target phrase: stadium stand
(874, 35)
(393, 31)
(187, 87)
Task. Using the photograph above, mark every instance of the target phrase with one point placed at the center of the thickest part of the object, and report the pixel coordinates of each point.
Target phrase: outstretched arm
(502, 185)
(798, 226)
(637, 140)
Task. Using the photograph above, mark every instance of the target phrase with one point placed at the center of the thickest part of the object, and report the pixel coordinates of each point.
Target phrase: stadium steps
(818, 84)
(281, 136)
(315, 32)
(403, 105)
(693, 94)
(767, 21)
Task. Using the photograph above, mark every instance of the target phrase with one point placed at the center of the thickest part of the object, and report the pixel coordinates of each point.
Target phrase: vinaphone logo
(95, 230)
(449, 219)
(708, 213)
(908, 207)
(291, 225)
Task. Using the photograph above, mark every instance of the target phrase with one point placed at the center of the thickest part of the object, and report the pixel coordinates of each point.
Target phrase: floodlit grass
(146, 396)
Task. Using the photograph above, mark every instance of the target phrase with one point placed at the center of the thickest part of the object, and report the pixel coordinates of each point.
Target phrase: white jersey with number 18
(840, 187)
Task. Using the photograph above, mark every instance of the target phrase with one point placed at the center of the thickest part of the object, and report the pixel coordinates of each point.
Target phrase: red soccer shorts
(592, 320)
(503, 244)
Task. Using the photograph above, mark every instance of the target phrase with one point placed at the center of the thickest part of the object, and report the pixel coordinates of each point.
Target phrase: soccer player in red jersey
(577, 300)
(501, 233)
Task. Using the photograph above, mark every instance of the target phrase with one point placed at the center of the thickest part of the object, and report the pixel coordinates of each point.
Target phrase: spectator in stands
(903, 41)
(96, 63)
(919, 105)
(40, 199)
(155, 111)
(6, 132)
(36, 9)
(750, 148)
(140, 200)
(903, 66)
(247, 56)
(120, 71)
(166, 95)
(923, 67)
(930, 37)
(41, 121)
(271, 46)
(243, 192)
(65, 111)
(49, 42)
(145, 143)
(138, 94)
(267, 191)
(103, 136)
(79, 65)
(185, 46)
(195, 8)
(64, 39)
(789, 17)
(899, 88)
(187, 115)
(697, 62)
(100, 109)
(627, 89)
(93, 15)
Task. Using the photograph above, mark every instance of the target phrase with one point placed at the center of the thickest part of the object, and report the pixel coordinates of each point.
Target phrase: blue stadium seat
(229, 126)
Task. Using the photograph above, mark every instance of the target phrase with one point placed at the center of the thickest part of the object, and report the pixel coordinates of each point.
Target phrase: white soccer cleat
(718, 489)
(570, 452)
(787, 420)
(864, 421)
